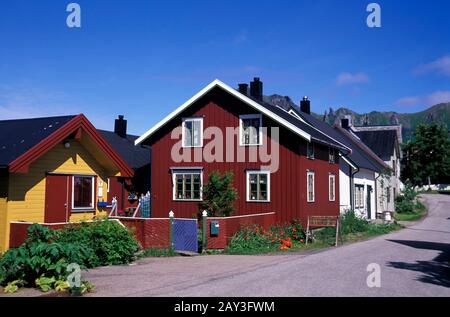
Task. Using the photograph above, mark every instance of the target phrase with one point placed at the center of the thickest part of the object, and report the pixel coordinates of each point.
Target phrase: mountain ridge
(439, 113)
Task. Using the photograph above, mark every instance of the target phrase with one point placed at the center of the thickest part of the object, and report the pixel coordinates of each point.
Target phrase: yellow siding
(26, 201)
(3, 210)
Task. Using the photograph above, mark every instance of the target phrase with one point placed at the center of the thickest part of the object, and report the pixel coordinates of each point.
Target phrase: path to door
(413, 261)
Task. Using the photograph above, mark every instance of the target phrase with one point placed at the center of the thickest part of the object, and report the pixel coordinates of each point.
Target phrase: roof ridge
(38, 118)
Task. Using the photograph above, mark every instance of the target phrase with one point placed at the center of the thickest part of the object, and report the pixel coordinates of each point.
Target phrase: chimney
(256, 89)
(346, 122)
(120, 127)
(305, 105)
(243, 89)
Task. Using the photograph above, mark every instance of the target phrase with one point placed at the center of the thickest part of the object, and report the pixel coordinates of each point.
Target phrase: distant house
(54, 170)
(361, 171)
(386, 142)
(303, 181)
(125, 189)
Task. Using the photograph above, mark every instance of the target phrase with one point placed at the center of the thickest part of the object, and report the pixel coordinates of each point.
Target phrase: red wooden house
(301, 178)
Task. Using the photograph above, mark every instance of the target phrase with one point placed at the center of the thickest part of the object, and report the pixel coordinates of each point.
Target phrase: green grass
(156, 252)
(419, 212)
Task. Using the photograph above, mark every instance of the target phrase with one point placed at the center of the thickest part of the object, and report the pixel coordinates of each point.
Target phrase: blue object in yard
(145, 206)
(185, 235)
(102, 204)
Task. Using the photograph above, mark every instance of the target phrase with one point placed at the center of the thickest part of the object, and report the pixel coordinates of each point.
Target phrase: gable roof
(18, 136)
(280, 116)
(382, 142)
(32, 138)
(361, 155)
(136, 156)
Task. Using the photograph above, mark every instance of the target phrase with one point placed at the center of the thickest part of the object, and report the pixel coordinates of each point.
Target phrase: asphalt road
(413, 262)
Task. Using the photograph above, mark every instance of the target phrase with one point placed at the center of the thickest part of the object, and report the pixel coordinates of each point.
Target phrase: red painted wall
(151, 233)
(288, 184)
(118, 189)
(229, 226)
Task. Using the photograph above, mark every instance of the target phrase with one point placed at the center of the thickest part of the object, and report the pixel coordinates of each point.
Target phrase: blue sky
(145, 58)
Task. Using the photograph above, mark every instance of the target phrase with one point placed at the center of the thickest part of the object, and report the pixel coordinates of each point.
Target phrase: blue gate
(185, 235)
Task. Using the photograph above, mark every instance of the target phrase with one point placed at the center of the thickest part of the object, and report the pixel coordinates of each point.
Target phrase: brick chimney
(305, 105)
(243, 89)
(256, 89)
(120, 127)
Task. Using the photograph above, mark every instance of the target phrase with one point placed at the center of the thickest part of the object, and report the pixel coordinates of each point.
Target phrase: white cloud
(440, 66)
(346, 78)
(428, 100)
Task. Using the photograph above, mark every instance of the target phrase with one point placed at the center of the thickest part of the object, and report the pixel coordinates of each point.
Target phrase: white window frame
(185, 172)
(241, 129)
(311, 173)
(362, 196)
(330, 178)
(92, 208)
(183, 133)
(247, 182)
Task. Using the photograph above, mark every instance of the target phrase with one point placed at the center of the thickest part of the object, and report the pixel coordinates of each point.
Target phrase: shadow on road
(436, 271)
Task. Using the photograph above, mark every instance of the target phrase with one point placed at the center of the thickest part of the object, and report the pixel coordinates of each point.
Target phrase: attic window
(331, 156)
(310, 150)
(250, 130)
(192, 132)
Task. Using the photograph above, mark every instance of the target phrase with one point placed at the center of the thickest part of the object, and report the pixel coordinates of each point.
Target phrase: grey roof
(316, 133)
(136, 156)
(382, 142)
(360, 154)
(19, 136)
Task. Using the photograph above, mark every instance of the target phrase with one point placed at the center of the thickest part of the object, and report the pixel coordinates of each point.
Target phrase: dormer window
(310, 150)
(192, 132)
(250, 129)
(331, 157)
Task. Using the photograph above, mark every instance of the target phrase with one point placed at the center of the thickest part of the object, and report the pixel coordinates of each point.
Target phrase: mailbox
(214, 229)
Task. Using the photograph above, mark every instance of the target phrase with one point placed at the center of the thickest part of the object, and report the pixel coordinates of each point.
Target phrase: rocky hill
(439, 113)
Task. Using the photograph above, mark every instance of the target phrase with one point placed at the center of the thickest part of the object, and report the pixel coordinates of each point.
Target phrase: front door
(369, 202)
(57, 198)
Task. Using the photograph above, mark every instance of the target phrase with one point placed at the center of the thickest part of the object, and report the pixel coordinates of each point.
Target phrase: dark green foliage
(47, 253)
(111, 244)
(427, 156)
(406, 202)
(350, 223)
(219, 195)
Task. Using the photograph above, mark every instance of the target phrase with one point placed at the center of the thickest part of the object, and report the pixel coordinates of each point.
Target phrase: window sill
(250, 145)
(258, 201)
(311, 158)
(192, 147)
(187, 200)
(81, 211)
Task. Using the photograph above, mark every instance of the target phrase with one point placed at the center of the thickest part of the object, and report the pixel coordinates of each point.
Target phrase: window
(250, 129)
(388, 195)
(187, 185)
(332, 187)
(83, 192)
(192, 132)
(331, 157)
(258, 186)
(394, 167)
(359, 196)
(310, 187)
(310, 150)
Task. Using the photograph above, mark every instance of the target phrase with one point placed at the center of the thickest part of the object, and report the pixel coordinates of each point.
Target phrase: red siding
(229, 226)
(151, 233)
(288, 184)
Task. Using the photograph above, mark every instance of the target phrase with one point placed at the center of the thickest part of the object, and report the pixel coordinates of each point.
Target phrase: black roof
(358, 155)
(382, 142)
(135, 156)
(318, 136)
(19, 136)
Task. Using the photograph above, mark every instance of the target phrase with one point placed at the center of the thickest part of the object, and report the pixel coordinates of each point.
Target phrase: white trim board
(245, 99)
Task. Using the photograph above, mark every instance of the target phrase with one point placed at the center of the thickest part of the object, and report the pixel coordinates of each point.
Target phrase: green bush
(110, 243)
(42, 260)
(406, 202)
(350, 223)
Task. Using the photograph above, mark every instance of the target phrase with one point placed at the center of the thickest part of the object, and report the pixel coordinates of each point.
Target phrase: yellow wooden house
(54, 170)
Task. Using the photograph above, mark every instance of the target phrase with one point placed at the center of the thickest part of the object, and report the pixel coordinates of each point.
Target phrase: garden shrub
(351, 223)
(42, 260)
(406, 202)
(255, 239)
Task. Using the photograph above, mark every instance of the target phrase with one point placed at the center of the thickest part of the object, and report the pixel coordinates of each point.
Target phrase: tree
(219, 195)
(427, 156)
